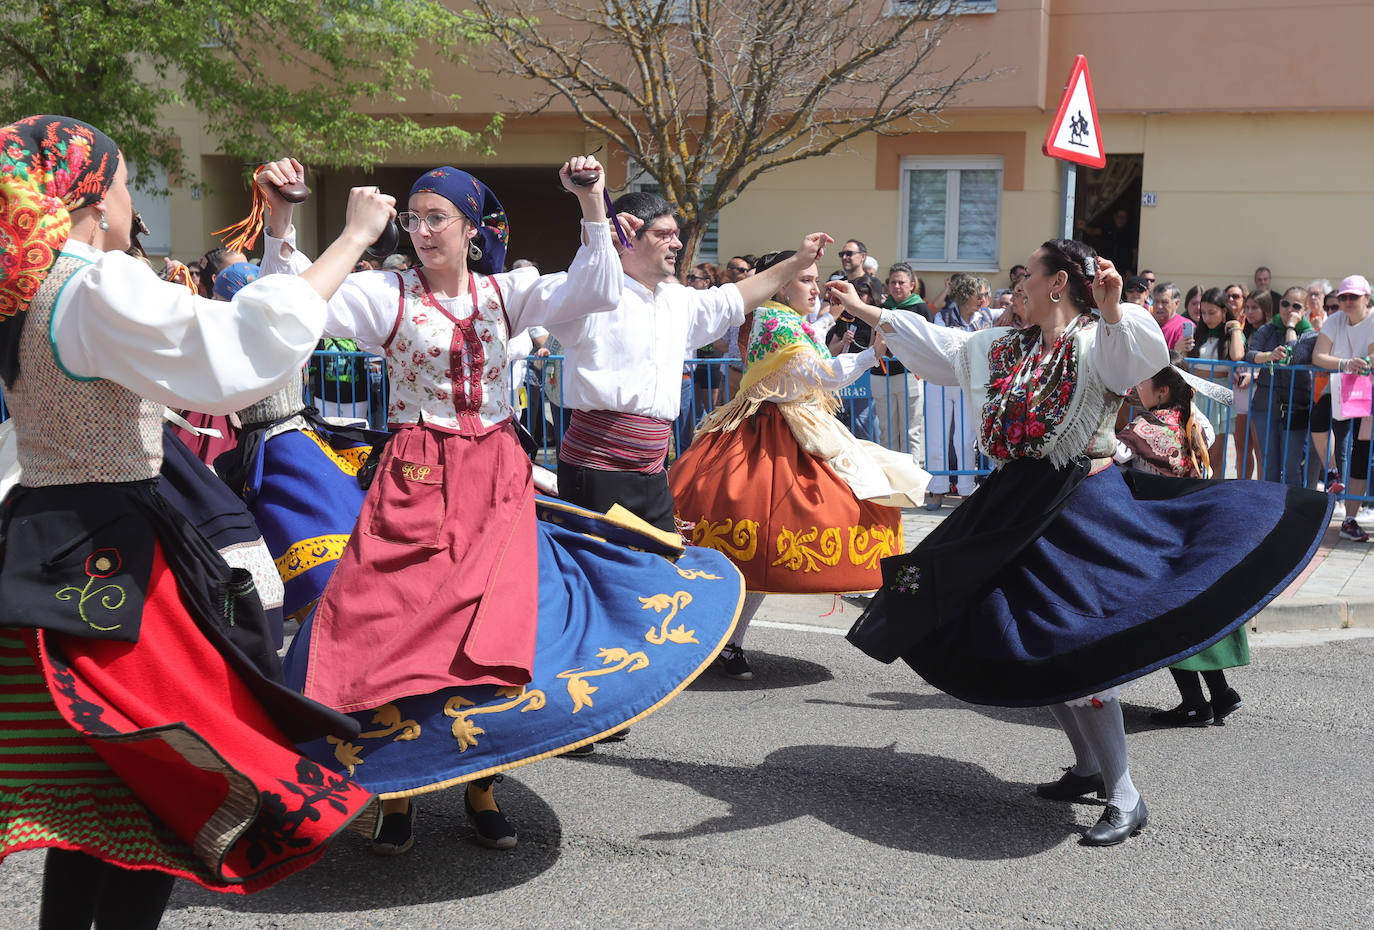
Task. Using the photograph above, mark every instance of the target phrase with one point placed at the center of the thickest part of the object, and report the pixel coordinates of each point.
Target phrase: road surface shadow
(1137, 716)
(907, 801)
(771, 673)
(443, 865)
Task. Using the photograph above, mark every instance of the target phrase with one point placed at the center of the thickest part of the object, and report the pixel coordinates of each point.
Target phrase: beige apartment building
(1237, 133)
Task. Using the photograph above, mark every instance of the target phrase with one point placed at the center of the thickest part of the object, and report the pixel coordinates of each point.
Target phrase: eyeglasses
(1348, 296)
(1331, 308)
(437, 222)
(849, 253)
(1234, 295)
(697, 277)
(737, 269)
(1292, 304)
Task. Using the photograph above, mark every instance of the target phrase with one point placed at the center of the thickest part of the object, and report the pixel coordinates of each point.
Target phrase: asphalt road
(836, 792)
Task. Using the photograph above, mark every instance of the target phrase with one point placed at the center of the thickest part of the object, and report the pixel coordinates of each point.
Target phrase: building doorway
(1107, 209)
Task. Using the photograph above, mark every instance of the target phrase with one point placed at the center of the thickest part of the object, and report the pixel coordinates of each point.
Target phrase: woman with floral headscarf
(126, 638)
(433, 610)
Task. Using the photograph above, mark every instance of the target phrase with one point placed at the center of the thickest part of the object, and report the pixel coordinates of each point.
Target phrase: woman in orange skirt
(776, 482)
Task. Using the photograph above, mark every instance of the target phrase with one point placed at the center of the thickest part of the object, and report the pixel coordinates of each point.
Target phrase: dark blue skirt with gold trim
(625, 623)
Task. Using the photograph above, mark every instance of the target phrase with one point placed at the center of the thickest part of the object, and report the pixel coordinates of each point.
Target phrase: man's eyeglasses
(437, 222)
(738, 269)
(1292, 304)
(848, 253)
(697, 277)
(1331, 308)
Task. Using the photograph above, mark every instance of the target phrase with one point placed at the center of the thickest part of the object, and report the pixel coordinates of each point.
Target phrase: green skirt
(1231, 652)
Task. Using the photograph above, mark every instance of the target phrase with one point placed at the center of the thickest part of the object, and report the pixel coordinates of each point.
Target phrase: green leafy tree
(706, 96)
(268, 76)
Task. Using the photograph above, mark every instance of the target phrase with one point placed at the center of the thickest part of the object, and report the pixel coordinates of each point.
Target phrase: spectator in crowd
(1234, 297)
(1001, 302)
(1135, 290)
(1282, 401)
(1317, 292)
(871, 266)
(1220, 340)
(397, 262)
(708, 378)
(1115, 240)
(1256, 310)
(1192, 304)
(736, 270)
(1263, 277)
(523, 263)
(1344, 344)
(849, 335)
(852, 256)
(1149, 277)
(897, 393)
(953, 422)
(1177, 329)
(1016, 276)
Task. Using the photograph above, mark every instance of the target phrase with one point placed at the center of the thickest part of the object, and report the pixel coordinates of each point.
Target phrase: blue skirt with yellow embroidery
(626, 621)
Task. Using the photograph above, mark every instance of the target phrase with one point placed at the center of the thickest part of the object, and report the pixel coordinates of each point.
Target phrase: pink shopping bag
(1351, 396)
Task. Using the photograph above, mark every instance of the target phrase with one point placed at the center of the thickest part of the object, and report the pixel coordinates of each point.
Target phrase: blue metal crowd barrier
(1281, 446)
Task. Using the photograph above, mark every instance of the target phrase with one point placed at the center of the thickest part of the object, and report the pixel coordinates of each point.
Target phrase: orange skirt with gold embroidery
(787, 521)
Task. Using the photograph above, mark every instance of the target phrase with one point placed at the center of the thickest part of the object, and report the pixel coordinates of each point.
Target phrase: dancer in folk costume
(775, 481)
(442, 606)
(147, 731)
(1060, 579)
(1172, 437)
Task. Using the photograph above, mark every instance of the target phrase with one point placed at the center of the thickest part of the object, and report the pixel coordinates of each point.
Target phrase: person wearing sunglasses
(1345, 344)
(1282, 400)
(852, 254)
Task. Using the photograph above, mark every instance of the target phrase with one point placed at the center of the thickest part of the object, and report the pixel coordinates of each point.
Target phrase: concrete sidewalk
(1335, 591)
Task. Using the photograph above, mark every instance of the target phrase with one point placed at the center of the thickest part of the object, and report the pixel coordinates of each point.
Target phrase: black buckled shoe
(1185, 716)
(1114, 826)
(1071, 787)
(1226, 705)
(395, 832)
(493, 829)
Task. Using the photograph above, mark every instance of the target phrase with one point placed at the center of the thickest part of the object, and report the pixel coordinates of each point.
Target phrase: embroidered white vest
(76, 430)
(447, 368)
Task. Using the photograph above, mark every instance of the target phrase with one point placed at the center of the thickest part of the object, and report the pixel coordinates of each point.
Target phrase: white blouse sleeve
(928, 350)
(714, 311)
(363, 309)
(591, 284)
(1126, 353)
(116, 319)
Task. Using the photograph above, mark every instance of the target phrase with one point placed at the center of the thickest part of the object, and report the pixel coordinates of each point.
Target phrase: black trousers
(645, 496)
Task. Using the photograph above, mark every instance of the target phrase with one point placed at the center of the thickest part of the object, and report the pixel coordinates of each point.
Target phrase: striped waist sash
(615, 441)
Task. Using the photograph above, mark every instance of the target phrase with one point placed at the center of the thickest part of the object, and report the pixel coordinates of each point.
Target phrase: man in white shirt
(622, 370)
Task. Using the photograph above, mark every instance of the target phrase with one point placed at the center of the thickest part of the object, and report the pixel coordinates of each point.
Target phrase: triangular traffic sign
(1074, 135)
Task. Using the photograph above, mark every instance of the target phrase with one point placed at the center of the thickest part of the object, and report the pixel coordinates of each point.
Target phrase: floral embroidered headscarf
(476, 202)
(49, 167)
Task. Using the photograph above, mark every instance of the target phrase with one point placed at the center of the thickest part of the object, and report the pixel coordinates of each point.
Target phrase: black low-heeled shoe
(1185, 716)
(1115, 825)
(1071, 787)
(395, 832)
(1226, 705)
(493, 829)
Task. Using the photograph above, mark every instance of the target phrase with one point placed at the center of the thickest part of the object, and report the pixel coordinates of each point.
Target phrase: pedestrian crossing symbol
(1074, 135)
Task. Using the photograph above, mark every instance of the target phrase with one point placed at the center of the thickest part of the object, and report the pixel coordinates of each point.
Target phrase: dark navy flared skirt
(1124, 575)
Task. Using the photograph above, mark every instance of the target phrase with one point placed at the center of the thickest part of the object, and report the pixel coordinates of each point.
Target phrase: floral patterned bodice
(447, 367)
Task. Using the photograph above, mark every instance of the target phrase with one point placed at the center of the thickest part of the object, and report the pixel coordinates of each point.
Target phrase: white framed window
(956, 7)
(155, 207)
(709, 250)
(951, 212)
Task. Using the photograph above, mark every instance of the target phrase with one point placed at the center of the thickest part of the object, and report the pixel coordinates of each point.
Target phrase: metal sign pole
(1070, 183)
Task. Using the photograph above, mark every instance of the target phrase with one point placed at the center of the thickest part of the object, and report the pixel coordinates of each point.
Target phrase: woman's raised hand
(368, 212)
(1106, 284)
(273, 176)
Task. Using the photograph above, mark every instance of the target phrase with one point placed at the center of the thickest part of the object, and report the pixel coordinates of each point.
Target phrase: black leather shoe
(1114, 826)
(1071, 787)
(619, 736)
(395, 833)
(1185, 716)
(493, 829)
(1226, 705)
